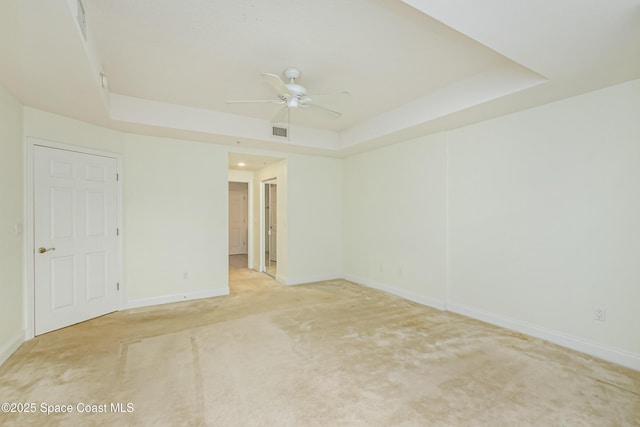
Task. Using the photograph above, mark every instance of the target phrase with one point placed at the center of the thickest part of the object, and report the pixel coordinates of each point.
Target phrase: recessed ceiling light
(242, 164)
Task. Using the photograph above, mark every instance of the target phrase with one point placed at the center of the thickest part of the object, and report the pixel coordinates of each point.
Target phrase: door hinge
(117, 286)
(117, 231)
(117, 177)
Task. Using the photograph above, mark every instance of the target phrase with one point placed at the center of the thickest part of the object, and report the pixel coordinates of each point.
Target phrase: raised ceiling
(412, 67)
(200, 53)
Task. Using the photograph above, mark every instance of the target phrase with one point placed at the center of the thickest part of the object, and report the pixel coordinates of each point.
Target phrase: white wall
(544, 217)
(313, 218)
(542, 221)
(11, 213)
(52, 127)
(394, 219)
(175, 198)
(174, 202)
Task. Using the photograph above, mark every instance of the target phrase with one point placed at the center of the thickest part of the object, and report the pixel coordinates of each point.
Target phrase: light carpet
(331, 353)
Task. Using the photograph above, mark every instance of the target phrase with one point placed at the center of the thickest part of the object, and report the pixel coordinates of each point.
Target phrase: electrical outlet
(186, 275)
(600, 314)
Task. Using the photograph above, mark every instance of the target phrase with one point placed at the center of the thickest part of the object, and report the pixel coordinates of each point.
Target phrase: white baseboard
(311, 279)
(411, 296)
(611, 354)
(9, 347)
(166, 299)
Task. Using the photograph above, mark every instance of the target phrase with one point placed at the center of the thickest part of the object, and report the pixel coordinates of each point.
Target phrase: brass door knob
(43, 250)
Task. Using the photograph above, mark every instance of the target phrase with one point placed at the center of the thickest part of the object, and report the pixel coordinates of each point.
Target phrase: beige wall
(314, 218)
(394, 219)
(544, 216)
(175, 202)
(542, 221)
(174, 208)
(55, 128)
(11, 213)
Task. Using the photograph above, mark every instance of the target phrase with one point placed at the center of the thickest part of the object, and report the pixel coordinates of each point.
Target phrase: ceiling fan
(292, 96)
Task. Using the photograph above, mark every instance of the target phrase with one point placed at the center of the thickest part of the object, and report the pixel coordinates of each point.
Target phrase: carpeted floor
(325, 354)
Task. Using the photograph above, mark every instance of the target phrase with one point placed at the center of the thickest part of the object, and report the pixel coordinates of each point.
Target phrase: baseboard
(611, 354)
(8, 348)
(166, 299)
(411, 296)
(311, 279)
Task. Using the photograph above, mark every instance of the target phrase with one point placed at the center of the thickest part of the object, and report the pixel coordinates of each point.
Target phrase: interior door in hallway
(238, 221)
(75, 237)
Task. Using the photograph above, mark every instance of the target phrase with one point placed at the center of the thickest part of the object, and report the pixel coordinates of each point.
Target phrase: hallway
(243, 279)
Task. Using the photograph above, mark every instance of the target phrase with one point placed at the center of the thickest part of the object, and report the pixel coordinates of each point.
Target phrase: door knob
(43, 250)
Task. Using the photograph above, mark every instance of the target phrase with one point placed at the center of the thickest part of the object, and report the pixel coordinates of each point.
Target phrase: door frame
(263, 243)
(29, 228)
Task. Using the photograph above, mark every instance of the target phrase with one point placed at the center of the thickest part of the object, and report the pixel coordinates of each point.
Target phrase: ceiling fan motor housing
(296, 90)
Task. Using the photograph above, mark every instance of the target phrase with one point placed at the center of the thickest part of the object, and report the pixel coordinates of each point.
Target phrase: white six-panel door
(75, 237)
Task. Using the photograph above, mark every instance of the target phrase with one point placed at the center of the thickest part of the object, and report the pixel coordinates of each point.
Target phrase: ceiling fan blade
(281, 116)
(258, 101)
(276, 82)
(322, 111)
(329, 96)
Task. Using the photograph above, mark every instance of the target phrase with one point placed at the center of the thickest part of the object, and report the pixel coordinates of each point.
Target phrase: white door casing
(237, 222)
(268, 226)
(75, 227)
(273, 222)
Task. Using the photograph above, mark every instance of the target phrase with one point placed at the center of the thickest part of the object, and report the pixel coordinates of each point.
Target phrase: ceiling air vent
(279, 131)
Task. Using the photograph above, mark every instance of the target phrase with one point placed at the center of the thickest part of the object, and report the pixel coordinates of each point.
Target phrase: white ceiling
(412, 67)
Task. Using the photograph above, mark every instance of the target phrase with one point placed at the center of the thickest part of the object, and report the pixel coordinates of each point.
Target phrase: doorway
(263, 250)
(238, 224)
(269, 251)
